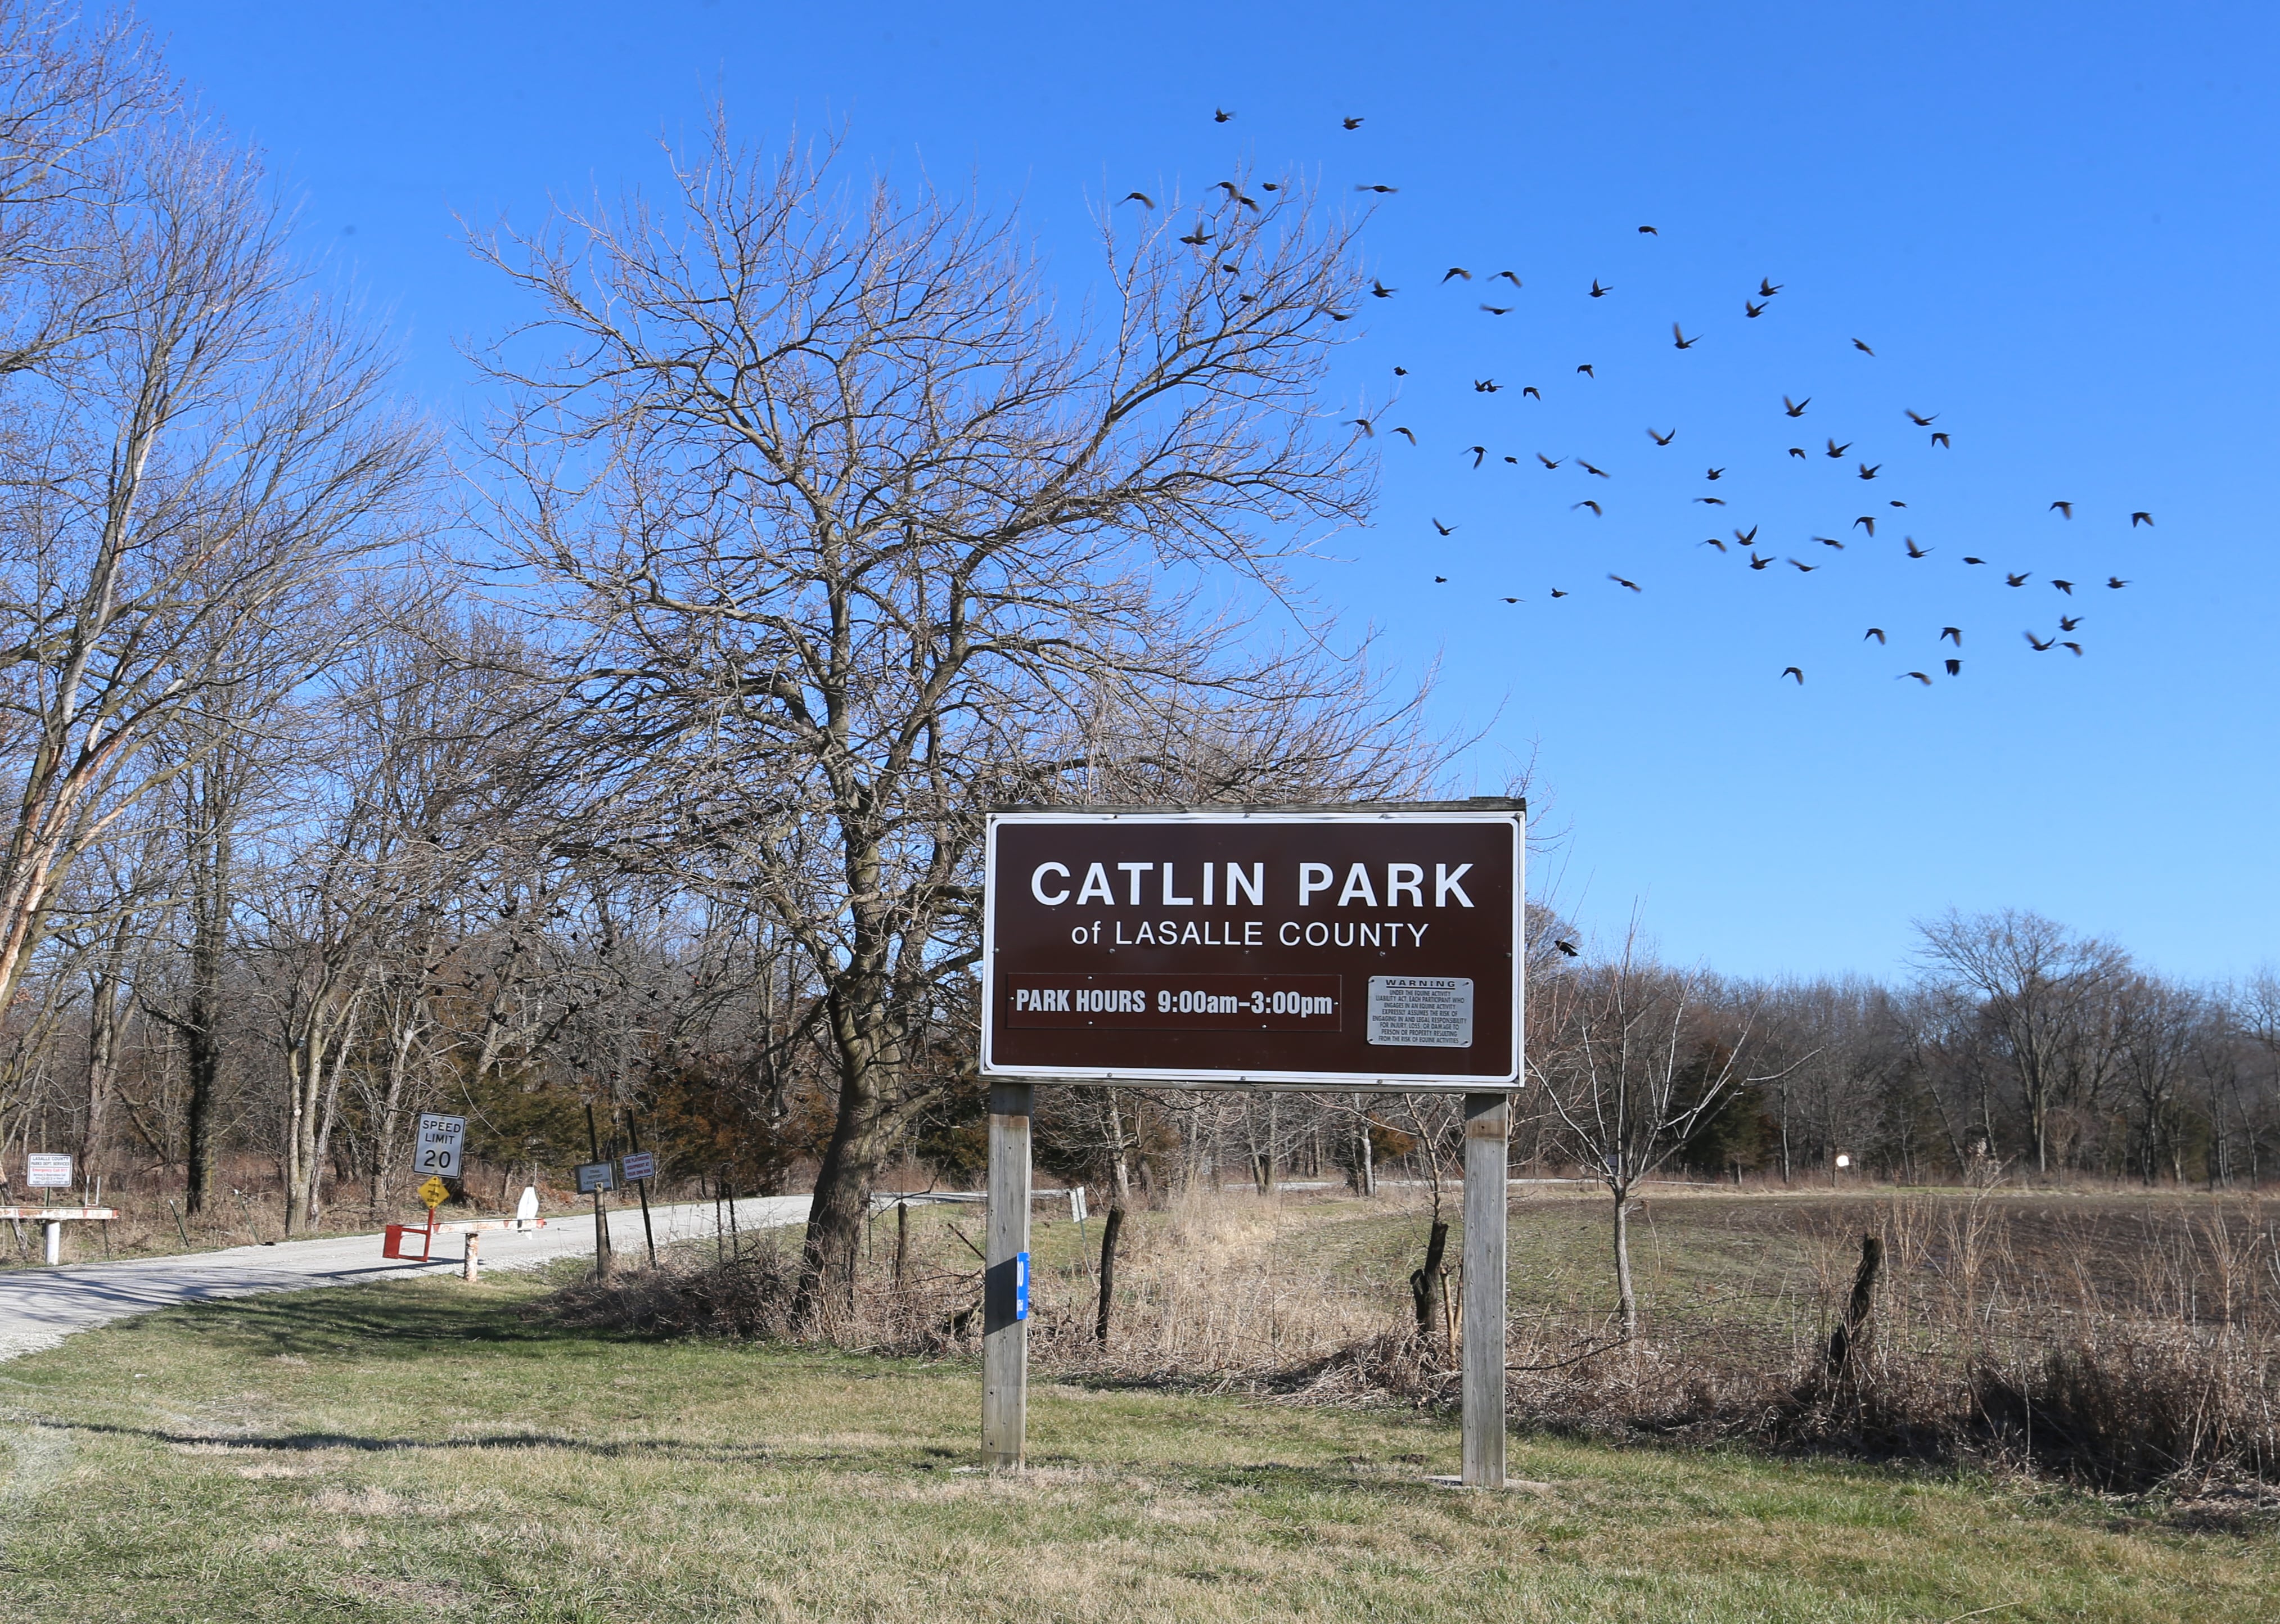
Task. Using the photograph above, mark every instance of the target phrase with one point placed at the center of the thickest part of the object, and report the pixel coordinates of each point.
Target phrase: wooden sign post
(1374, 949)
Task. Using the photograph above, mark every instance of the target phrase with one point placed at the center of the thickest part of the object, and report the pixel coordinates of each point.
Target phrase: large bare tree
(197, 442)
(859, 527)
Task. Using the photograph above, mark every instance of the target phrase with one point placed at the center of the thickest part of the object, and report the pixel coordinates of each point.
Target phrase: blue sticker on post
(1020, 1285)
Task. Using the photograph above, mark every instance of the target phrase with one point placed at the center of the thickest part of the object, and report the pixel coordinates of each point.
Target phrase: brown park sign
(1352, 949)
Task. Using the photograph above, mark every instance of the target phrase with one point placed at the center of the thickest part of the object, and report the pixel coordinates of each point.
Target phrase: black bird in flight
(1139, 197)
(1401, 372)
(2141, 519)
(2067, 623)
(1235, 195)
(2017, 580)
(1679, 339)
(1406, 434)
(1830, 541)
(1767, 289)
(1915, 551)
(1836, 451)
(1456, 270)
(1514, 600)
(2040, 647)
(1662, 439)
(1752, 311)
(1597, 511)
(1507, 276)
(1649, 231)
(1199, 238)
(1586, 370)
(1799, 452)
(1220, 115)
(1270, 186)
(1868, 470)
(1549, 462)
(1805, 569)
(1894, 504)
(1514, 461)
(1352, 123)
(1486, 386)
(2066, 508)
(1862, 348)
(1588, 468)
(1919, 420)
(1712, 541)
(1363, 424)
(2075, 647)
(1867, 521)
(1500, 310)
(1748, 539)
(1713, 473)
(1443, 530)
(1942, 441)
(1877, 632)
(1712, 501)
(1556, 592)
(1478, 452)
(1956, 632)
(1918, 675)
(1620, 582)
(1956, 668)
(1379, 290)
(1567, 948)
(1531, 389)
(1796, 408)
(2115, 582)
(1380, 191)
(1791, 671)
(1756, 563)
(2066, 587)
(1967, 559)
(1440, 580)
(1599, 292)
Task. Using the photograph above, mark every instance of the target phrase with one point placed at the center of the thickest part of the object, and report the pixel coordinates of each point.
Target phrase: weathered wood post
(1006, 1257)
(1488, 1127)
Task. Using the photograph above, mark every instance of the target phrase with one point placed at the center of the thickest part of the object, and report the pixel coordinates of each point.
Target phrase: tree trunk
(1428, 1287)
(861, 1134)
(200, 1031)
(1109, 1232)
(1845, 1340)
(1626, 1296)
(107, 1016)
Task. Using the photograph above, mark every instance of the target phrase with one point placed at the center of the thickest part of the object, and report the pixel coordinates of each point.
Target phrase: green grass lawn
(422, 1450)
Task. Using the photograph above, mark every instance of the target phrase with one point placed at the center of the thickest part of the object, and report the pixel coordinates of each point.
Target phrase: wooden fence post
(1488, 1127)
(1005, 1338)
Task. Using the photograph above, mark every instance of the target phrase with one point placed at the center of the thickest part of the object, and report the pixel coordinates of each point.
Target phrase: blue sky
(2055, 227)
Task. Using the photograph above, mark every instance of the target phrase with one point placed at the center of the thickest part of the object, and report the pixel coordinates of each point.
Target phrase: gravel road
(39, 1307)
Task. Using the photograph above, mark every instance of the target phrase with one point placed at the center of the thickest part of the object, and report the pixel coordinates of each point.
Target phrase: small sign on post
(594, 1178)
(441, 1143)
(432, 1192)
(640, 1165)
(43, 1171)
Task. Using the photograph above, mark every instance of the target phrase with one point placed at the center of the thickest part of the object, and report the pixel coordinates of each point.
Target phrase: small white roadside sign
(441, 1141)
(43, 1171)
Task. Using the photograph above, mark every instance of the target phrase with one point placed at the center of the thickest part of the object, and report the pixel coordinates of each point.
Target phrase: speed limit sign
(441, 1139)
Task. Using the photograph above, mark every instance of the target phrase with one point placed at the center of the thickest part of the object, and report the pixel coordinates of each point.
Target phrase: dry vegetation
(2124, 1343)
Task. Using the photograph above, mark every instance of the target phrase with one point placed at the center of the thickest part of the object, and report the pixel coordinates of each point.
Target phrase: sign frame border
(1510, 812)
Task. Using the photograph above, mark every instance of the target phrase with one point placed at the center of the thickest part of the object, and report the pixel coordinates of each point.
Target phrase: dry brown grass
(2118, 1344)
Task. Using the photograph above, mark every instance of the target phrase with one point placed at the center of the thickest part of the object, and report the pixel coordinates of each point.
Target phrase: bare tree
(1632, 1057)
(185, 470)
(858, 527)
(2038, 983)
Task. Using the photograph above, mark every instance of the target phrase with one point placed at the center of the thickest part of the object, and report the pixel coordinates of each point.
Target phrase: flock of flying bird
(1744, 544)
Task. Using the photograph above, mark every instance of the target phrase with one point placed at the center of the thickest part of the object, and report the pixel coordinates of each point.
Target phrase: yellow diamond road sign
(434, 1193)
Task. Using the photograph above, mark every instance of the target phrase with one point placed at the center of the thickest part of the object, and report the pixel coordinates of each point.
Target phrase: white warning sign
(1421, 1012)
